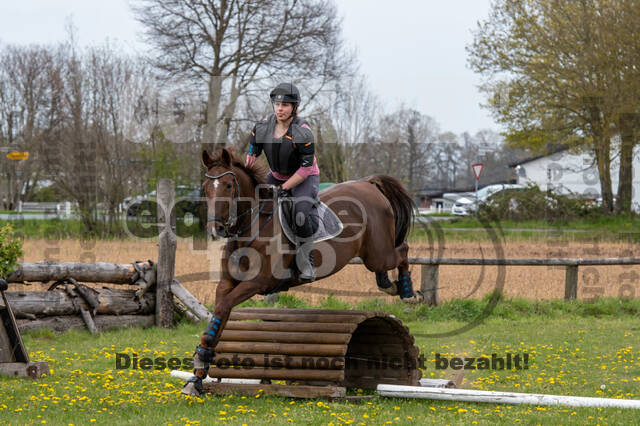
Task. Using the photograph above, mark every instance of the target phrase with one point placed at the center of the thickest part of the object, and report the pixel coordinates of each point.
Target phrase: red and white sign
(477, 169)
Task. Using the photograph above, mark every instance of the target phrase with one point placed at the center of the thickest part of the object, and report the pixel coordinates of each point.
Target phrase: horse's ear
(226, 157)
(207, 161)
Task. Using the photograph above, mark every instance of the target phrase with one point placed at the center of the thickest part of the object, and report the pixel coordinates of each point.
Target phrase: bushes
(10, 250)
(534, 204)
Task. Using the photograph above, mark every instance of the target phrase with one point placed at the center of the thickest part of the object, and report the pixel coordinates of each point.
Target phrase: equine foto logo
(245, 262)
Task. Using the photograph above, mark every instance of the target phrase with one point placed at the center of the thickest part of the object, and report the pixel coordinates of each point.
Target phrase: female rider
(288, 144)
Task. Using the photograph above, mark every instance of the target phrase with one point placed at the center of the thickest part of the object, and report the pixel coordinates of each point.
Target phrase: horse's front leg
(227, 296)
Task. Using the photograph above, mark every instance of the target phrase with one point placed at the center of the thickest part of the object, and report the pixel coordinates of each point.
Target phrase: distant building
(574, 173)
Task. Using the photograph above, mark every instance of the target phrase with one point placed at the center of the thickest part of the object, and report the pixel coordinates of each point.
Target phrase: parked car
(467, 205)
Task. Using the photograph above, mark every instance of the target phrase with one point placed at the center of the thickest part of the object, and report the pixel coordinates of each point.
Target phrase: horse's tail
(400, 200)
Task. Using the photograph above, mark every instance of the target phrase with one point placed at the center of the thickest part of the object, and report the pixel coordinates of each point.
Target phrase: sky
(412, 53)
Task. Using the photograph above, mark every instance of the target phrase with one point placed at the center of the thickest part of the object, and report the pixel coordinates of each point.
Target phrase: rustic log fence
(70, 304)
(430, 270)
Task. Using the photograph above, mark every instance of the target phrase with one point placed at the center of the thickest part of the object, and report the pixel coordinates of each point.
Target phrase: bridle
(232, 219)
(230, 222)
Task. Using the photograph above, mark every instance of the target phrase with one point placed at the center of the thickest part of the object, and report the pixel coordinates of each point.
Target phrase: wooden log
(88, 321)
(185, 312)
(297, 362)
(311, 327)
(277, 374)
(285, 337)
(56, 303)
(100, 272)
(571, 283)
(183, 295)
(282, 348)
(472, 395)
(25, 369)
(277, 390)
(339, 318)
(102, 322)
(167, 244)
(429, 284)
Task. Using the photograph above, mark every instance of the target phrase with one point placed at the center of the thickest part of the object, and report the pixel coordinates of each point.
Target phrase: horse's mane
(257, 173)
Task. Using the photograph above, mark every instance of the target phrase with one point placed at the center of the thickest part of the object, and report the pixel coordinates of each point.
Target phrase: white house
(565, 173)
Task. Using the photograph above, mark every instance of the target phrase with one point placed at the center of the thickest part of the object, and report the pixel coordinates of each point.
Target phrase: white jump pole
(469, 395)
(185, 375)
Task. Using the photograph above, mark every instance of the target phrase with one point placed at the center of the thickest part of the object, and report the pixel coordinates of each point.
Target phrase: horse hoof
(417, 297)
(392, 290)
(191, 390)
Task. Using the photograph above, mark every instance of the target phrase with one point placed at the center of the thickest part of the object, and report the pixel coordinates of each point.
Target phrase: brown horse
(376, 212)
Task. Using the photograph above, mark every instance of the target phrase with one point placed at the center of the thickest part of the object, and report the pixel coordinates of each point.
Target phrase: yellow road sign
(18, 155)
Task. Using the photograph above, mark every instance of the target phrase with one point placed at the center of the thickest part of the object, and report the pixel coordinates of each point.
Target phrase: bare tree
(87, 153)
(230, 45)
(23, 93)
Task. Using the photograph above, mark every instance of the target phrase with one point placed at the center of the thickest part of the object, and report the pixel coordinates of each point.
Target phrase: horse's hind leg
(397, 258)
(404, 283)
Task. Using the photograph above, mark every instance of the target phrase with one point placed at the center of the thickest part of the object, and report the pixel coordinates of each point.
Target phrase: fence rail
(430, 269)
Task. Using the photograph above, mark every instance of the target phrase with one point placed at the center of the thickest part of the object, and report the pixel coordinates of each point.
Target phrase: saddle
(329, 225)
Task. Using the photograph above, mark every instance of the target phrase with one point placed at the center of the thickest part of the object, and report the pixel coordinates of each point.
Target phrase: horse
(378, 212)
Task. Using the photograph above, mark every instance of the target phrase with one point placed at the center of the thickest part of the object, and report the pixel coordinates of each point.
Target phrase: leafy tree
(562, 71)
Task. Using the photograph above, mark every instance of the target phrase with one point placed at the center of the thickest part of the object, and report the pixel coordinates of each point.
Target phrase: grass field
(573, 350)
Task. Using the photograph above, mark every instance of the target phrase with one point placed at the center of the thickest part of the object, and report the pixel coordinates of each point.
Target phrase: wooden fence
(430, 268)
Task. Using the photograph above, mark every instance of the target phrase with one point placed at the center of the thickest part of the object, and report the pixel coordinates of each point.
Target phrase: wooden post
(571, 283)
(429, 284)
(167, 243)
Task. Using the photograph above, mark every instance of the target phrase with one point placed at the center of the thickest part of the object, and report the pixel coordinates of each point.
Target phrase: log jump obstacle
(70, 304)
(316, 352)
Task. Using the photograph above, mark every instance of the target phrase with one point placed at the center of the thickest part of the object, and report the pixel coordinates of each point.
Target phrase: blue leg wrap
(406, 287)
(213, 327)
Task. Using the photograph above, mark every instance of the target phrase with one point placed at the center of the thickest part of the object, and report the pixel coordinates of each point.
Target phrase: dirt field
(355, 282)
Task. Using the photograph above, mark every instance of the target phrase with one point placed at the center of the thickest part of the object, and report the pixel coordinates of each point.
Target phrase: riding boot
(304, 261)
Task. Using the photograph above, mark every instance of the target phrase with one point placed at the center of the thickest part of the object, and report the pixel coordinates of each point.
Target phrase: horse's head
(226, 180)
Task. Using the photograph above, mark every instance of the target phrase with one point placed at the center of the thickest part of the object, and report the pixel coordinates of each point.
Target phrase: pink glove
(250, 161)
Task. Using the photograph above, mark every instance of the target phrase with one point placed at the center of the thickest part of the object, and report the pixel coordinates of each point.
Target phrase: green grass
(573, 351)
(17, 212)
(56, 229)
(462, 310)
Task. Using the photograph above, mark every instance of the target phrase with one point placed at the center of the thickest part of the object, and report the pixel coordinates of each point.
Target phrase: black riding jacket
(286, 154)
